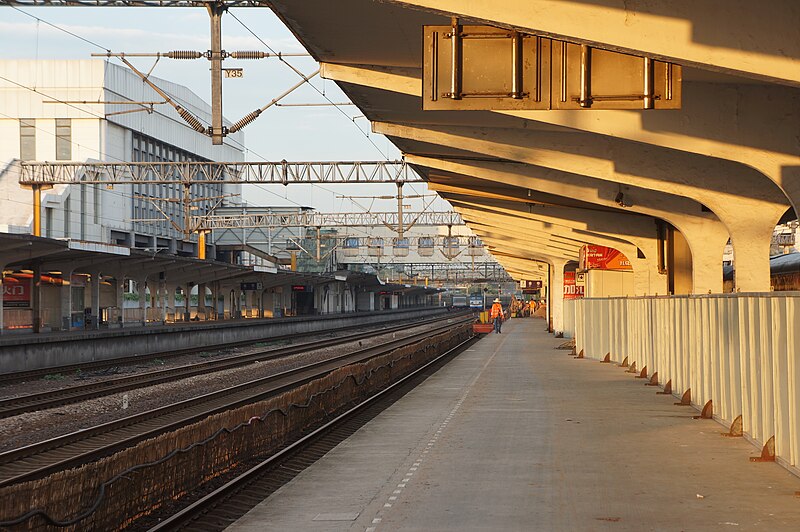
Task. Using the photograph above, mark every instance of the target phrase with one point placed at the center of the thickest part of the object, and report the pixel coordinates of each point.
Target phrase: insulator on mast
(248, 54)
(184, 54)
(244, 121)
(191, 120)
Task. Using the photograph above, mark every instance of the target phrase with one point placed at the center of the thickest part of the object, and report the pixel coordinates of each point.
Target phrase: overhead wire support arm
(186, 115)
(247, 119)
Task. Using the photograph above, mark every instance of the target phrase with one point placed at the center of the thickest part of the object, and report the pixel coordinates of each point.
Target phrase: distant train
(459, 301)
(784, 273)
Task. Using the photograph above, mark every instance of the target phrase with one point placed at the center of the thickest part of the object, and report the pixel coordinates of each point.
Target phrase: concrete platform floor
(515, 435)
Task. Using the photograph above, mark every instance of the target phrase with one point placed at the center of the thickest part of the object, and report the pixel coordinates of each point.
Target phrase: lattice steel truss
(283, 172)
(326, 220)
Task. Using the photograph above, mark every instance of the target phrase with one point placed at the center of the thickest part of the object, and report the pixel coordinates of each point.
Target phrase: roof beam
(734, 36)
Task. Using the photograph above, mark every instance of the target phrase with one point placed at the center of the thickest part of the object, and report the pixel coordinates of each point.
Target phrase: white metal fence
(739, 351)
(569, 318)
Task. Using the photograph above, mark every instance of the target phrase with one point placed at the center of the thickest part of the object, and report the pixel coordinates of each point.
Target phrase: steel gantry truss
(326, 220)
(282, 172)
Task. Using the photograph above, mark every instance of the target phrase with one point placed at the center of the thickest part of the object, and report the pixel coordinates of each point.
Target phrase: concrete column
(162, 299)
(187, 300)
(647, 281)
(215, 299)
(751, 242)
(556, 290)
(170, 304)
(120, 296)
(141, 287)
(201, 301)
(66, 299)
(707, 249)
(36, 298)
(95, 299)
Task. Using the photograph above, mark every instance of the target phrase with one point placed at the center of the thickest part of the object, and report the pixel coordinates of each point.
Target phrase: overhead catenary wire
(175, 98)
(321, 93)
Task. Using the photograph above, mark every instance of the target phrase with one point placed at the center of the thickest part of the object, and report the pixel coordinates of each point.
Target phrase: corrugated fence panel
(569, 318)
(741, 351)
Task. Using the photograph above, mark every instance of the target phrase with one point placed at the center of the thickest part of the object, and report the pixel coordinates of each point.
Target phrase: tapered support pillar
(751, 249)
(556, 290)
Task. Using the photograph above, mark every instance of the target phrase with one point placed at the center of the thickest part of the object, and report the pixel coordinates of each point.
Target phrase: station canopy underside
(707, 143)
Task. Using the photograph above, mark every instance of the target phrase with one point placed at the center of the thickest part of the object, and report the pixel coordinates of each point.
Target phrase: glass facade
(63, 139)
(27, 139)
(148, 198)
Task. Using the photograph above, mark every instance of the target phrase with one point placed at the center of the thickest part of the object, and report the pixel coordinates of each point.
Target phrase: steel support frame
(282, 172)
(321, 219)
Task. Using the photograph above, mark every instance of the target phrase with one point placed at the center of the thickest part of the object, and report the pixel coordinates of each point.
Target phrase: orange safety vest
(497, 310)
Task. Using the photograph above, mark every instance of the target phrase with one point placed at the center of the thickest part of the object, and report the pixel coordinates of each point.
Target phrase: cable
(185, 103)
(100, 154)
(321, 93)
(107, 156)
(32, 89)
(59, 28)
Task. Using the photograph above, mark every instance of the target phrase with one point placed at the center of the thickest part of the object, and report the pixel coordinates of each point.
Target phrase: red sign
(603, 258)
(298, 288)
(571, 290)
(16, 292)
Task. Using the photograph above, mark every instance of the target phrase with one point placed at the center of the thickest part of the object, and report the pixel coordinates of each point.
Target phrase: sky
(290, 133)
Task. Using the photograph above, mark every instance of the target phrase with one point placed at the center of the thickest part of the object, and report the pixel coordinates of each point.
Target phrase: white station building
(44, 117)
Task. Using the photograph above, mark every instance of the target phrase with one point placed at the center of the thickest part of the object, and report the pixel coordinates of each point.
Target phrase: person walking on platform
(497, 315)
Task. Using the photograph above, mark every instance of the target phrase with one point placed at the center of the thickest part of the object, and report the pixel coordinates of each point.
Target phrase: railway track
(22, 376)
(40, 401)
(71, 450)
(216, 510)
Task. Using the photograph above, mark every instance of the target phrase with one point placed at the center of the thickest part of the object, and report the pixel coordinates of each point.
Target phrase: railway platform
(514, 434)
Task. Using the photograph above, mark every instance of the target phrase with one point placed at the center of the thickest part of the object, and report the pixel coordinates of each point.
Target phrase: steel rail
(40, 401)
(21, 376)
(190, 514)
(74, 449)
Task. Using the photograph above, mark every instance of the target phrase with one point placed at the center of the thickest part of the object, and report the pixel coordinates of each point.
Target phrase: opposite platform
(516, 435)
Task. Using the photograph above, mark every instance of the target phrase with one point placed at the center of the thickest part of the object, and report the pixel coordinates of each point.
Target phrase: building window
(27, 139)
(83, 212)
(67, 215)
(63, 139)
(48, 222)
(96, 195)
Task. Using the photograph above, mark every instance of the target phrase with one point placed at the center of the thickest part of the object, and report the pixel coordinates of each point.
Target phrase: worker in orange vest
(497, 315)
